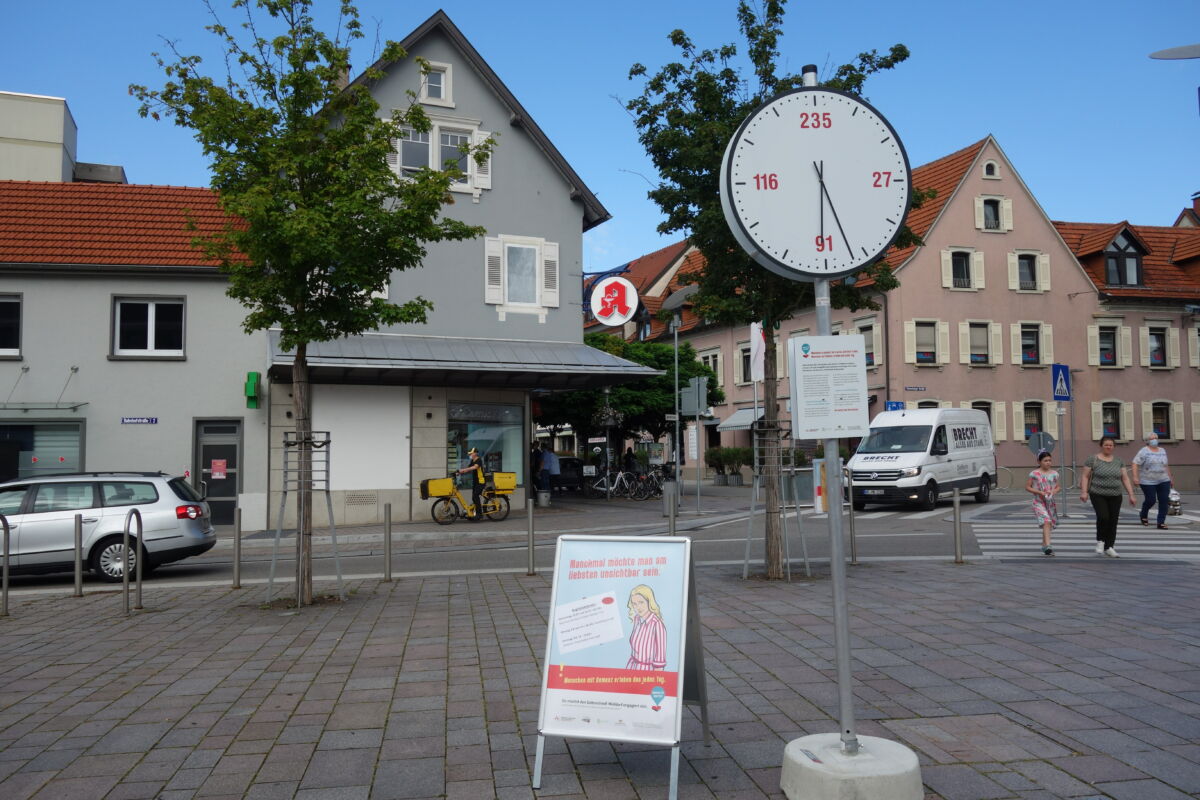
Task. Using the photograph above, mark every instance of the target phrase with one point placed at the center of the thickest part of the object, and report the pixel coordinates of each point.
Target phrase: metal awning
(741, 420)
(402, 359)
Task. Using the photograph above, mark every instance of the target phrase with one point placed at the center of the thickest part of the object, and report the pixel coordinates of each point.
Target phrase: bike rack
(4, 568)
(137, 560)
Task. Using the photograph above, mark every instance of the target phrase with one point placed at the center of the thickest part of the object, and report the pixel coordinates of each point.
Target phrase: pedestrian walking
(1104, 475)
(1151, 472)
(551, 468)
(1043, 485)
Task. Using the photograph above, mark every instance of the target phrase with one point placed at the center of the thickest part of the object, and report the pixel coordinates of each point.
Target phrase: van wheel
(985, 490)
(930, 497)
(859, 505)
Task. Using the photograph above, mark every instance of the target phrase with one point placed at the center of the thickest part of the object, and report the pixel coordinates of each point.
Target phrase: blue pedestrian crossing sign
(1060, 379)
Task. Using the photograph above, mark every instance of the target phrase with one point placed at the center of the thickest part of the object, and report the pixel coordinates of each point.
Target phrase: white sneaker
(1099, 548)
(1111, 553)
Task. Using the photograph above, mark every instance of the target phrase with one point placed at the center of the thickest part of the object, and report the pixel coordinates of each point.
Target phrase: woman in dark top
(1104, 475)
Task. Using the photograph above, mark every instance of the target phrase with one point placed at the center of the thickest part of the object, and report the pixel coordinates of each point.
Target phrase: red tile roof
(643, 272)
(1164, 274)
(104, 224)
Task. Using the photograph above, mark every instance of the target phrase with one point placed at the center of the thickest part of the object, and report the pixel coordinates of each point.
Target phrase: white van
(919, 455)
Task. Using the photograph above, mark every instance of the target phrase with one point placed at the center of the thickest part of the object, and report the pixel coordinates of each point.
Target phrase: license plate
(872, 491)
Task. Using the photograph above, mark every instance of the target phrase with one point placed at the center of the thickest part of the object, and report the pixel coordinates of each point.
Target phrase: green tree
(318, 220)
(636, 407)
(685, 116)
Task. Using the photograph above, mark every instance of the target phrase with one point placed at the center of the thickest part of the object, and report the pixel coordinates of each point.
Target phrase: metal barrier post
(133, 512)
(79, 555)
(530, 569)
(853, 541)
(387, 542)
(4, 570)
(237, 548)
(958, 556)
(671, 496)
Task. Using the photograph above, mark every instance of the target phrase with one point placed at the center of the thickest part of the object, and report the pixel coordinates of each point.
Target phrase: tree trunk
(773, 533)
(301, 410)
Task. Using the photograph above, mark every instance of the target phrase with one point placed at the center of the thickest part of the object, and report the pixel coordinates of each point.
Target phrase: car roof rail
(93, 474)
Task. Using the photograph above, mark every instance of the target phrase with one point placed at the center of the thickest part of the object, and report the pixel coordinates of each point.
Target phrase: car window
(128, 493)
(63, 497)
(10, 500)
(184, 491)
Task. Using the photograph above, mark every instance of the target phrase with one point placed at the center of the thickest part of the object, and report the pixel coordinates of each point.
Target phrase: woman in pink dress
(1043, 485)
(648, 639)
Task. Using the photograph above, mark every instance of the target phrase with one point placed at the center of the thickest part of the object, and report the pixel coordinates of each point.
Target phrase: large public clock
(815, 184)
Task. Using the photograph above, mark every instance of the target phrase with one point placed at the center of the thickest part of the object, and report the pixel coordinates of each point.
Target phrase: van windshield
(898, 439)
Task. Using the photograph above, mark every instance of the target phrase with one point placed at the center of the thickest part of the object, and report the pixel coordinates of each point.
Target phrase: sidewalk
(1011, 680)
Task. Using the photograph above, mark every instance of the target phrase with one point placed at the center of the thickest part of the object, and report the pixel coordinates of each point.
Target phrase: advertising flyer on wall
(615, 644)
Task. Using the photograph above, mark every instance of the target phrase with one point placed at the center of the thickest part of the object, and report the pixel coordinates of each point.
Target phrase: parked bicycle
(614, 483)
(449, 504)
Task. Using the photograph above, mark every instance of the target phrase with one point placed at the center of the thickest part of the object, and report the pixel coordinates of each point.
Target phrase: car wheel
(444, 511)
(930, 496)
(985, 490)
(107, 562)
(859, 505)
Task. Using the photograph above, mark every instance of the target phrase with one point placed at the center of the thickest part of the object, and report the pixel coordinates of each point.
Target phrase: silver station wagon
(176, 522)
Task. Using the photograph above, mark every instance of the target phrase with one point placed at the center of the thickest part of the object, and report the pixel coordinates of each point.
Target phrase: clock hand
(828, 199)
(820, 196)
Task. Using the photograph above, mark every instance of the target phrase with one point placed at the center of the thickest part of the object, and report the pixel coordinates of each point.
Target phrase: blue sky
(1098, 131)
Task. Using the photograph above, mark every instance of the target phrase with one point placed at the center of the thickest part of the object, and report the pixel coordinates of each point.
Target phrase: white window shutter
(1097, 421)
(1014, 331)
(1043, 268)
(1177, 431)
(550, 270)
(964, 343)
(943, 342)
(1194, 347)
(1050, 419)
(999, 421)
(1172, 347)
(909, 405)
(1126, 422)
(979, 213)
(947, 270)
(737, 367)
(393, 156)
(1126, 346)
(964, 404)
(997, 346)
(910, 342)
(1093, 345)
(1147, 417)
(482, 172)
(977, 269)
(494, 270)
(1144, 345)
(945, 404)
(1014, 275)
(1195, 421)
(1006, 217)
(877, 335)
(1047, 343)
(1018, 421)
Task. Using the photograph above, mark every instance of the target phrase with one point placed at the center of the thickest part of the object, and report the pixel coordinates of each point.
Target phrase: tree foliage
(637, 407)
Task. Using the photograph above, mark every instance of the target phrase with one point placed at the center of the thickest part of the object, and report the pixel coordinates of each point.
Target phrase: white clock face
(815, 184)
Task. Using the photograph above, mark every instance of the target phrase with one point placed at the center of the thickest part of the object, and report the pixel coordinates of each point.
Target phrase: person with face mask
(1150, 471)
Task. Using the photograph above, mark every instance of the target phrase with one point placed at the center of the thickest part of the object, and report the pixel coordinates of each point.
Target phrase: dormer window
(1123, 263)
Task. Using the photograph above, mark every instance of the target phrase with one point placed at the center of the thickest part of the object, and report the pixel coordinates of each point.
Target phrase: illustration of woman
(648, 639)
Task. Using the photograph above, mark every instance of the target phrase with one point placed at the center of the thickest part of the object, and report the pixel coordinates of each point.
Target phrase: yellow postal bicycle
(449, 504)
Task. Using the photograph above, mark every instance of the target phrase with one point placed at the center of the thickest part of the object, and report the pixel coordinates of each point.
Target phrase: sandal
(1146, 522)
(1162, 527)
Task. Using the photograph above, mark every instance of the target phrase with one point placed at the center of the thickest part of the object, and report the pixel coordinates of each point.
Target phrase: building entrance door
(218, 465)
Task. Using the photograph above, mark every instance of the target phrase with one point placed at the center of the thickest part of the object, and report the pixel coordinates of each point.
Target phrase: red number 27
(882, 179)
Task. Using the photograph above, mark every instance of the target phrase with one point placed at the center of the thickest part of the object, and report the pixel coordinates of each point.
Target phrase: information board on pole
(615, 648)
(829, 386)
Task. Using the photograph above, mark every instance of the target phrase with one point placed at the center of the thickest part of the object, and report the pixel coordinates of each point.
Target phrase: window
(960, 264)
(1108, 345)
(1031, 349)
(1027, 279)
(990, 170)
(453, 152)
(1157, 346)
(41, 448)
(926, 342)
(1160, 416)
(128, 494)
(1110, 421)
(444, 144)
(979, 334)
(712, 360)
(10, 325)
(929, 404)
(991, 214)
(436, 85)
(744, 358)
(496, 430)
(868, 334)
(1033, 419)
(414, 151)
(63, 497)
(1123, 263)
(148, 327)
(521, 274)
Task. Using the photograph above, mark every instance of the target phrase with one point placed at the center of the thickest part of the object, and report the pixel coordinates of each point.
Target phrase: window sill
(1030, 291)
(12, 357)
(1160, 368)
(962, 288)
(929, 366)
(991, 230)
(148, 357)
(981, 366)
(503, 311)
(1034, 366)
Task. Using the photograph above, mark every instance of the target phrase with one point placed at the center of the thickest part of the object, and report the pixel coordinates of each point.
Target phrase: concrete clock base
(815, 768)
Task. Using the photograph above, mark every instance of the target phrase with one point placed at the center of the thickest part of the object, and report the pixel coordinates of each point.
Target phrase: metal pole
(837, 557)
(387, 542)
(958, 555)
(675, 321)
(850, 494)
(4, 569)
(79, 555)
(237, 547)
(531, 569)
(139, 552)
(671, 492)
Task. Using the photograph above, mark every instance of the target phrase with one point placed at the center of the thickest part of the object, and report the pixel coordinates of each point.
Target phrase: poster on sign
(616, 641)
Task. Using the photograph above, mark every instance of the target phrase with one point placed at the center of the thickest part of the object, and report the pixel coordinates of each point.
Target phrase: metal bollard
(237, 548)
(958, 556)
(4, 569)
(79, 555)
(853, 541)
(531, 569)
(671, 498)
(387, 542)
(133, 512)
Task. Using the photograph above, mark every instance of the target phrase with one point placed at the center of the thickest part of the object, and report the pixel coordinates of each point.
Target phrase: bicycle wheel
(593, 488)
(444, 511)
(495, 507)
(641, 490)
